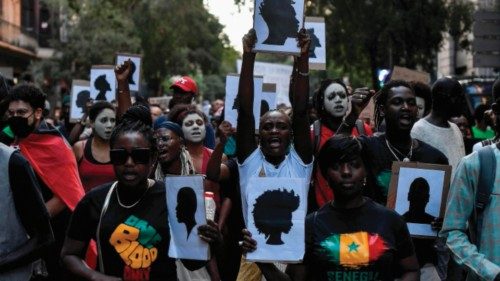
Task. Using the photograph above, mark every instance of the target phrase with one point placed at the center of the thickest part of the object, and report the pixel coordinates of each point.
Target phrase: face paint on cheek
(336, 101)
(104, 123)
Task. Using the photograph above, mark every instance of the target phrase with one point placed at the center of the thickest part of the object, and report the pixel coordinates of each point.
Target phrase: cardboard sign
(406, 74)
(103, 83)
(414, 184)
(186, 212)
(134, 80)
(275, 215)
(315, 26)
(276, 25)
(80, 94)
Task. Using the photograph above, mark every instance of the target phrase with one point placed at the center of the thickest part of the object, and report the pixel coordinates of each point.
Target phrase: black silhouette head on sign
(133, 68)
(314, 42)
(418, 197)
(280, 19)
(186, 208)
(102, 85)
(272, 213)
(81, 99)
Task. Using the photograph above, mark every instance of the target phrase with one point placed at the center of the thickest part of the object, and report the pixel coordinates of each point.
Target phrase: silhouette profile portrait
(272, 214)
(186, 208)
(264, 107)
(418, 196)
(102, 85)
(314, 42)
(81, 99)
(279, 16)
(131, 74)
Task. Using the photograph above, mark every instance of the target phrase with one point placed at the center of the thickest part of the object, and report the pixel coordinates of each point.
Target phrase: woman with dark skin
(332, 230)
(128, 215)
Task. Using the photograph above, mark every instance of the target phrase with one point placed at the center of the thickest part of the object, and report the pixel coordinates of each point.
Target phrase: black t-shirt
(134, 241)
(364, 243)
(379, 163)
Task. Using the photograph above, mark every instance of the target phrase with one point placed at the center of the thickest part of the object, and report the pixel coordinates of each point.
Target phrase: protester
(481, 130)
(496, 93)
(435, 129)
(92, 154)
(471, 225)
(463, 125)
(118, 214)
(51, 158)
(377, 239)
(156, 111)
(332, 103)
(277, 154)
(26, 230)
(423, 98)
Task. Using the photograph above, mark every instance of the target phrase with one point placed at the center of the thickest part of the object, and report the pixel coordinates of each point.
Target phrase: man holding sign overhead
(276, 156)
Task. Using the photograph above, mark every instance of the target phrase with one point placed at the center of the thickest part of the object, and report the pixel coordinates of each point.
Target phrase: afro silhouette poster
(317, 51)
(80, 94)
(275, 213)
(418, 192)
(186, 211)
(134, 78)
(231, 103)
(276, 24)
(102, 83)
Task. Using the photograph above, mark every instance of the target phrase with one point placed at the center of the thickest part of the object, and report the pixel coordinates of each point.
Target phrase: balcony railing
(16, 36)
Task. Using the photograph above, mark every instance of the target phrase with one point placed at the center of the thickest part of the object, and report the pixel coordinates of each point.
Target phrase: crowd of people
(87, 200)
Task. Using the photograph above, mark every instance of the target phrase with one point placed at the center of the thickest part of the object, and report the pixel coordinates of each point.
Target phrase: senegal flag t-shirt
(365, 243)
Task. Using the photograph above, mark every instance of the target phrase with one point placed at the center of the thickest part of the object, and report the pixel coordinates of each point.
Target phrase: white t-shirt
(256, 166)
(447, 140)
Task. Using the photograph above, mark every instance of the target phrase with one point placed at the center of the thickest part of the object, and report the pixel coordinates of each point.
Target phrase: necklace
(150, 183)
(406, 158)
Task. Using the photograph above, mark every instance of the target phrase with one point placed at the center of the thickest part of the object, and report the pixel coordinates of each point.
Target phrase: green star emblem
(353, 247)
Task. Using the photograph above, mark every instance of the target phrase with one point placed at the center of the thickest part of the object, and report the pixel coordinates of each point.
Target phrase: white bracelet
(305, 74)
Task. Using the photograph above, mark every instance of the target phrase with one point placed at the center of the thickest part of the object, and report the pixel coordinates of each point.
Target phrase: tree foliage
(175, 37)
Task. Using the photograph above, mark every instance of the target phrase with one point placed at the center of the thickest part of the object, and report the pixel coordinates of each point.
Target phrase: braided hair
(381, 98)
(137, 119)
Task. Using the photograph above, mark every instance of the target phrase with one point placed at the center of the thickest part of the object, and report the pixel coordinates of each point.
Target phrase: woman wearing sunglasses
(351, 237)
(127, 218)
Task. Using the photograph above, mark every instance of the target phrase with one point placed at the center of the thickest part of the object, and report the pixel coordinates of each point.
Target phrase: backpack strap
(487, 170)
(317, 135)
(360, 126)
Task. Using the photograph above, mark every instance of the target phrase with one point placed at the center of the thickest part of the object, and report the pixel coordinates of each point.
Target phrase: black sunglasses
(120, 156)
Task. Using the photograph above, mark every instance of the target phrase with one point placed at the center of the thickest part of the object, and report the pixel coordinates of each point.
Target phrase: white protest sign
(276, 25)
(102, 83)
(186, 212)
(230, 104)
(80, 94)
(274, 73)
(134, 80)
(315, 26)
(275, 214)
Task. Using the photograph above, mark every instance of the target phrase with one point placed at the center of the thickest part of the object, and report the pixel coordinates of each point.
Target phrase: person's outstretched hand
(122, 71)
(304, 41)
(249, 41)
(225, 131)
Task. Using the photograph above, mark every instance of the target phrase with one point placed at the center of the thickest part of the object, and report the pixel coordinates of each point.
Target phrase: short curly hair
(28, 93)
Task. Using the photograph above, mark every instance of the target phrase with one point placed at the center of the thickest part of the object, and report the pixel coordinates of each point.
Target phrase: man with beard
(396, 104)
(435, 129)
(52, 159)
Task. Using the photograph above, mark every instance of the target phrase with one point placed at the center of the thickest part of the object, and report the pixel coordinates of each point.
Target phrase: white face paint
(420, 106)
(104, 123)
(193, 128)
(336, 102)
